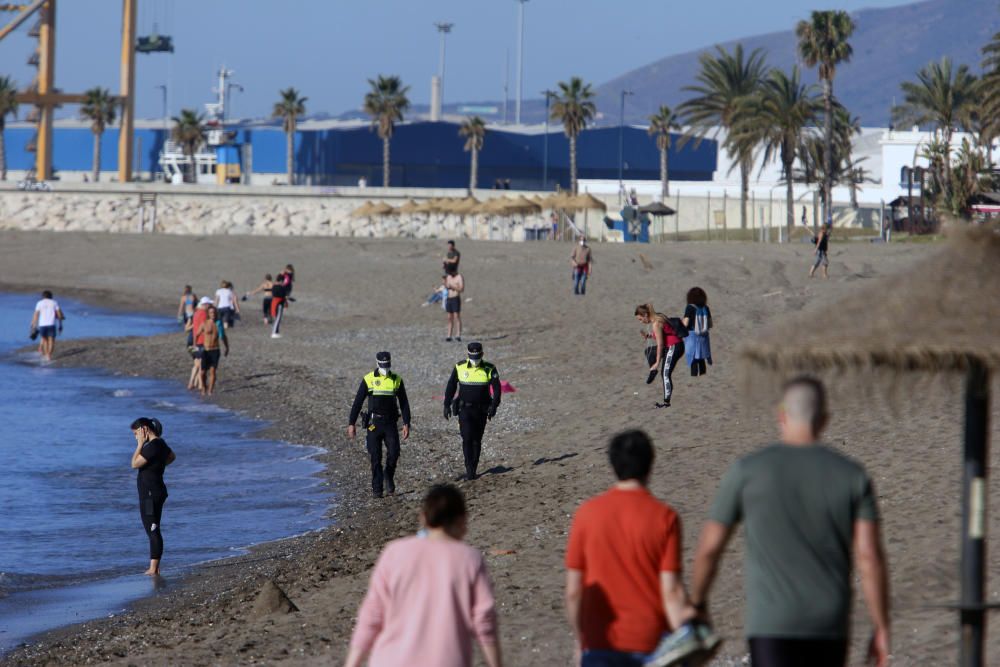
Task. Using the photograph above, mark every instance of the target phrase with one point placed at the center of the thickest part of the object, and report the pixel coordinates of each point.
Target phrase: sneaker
(675, 647)
(458, 338)
(376, 494)
(275, 335)
(664, 404)
(710, 643)
(448, 339)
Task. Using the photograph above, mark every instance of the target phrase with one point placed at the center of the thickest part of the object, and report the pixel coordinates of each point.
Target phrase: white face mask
(474, 362)
(383, 371)
(582, 242)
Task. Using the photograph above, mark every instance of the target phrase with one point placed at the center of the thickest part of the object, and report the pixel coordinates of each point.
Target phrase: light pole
(621, 146)
(443, 29)
(166, 118)
(520, 60)
(545, 146)
(229, 87)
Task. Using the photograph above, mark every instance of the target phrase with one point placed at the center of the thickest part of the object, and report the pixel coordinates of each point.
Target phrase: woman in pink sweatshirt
(429, 596)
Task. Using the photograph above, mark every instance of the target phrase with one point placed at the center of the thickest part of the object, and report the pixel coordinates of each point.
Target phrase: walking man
(455, 284)
(624, 589)
(48, 317)
(213, 333)
(383, 389)
(477, 385)
(821, 251)
(582, 260)
(451, 258)
(807, 510)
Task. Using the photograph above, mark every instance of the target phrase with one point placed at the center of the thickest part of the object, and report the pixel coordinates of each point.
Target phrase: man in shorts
(822, 248)
(47, 319)
(213, 332)
(455, 284)
(195, 340)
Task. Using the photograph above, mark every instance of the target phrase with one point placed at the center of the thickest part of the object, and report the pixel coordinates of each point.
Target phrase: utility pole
(126, 91)
(437, 87)
(520, 60)
(621, 146)
(545, 146)
(166, 119)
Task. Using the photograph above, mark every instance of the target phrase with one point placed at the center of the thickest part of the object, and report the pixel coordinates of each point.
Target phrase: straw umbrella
(362, 211)
(584, 202)
(939, 317)
(658, 210)
(408, 209)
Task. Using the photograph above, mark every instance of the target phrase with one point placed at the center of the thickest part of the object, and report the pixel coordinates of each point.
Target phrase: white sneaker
(275, 335)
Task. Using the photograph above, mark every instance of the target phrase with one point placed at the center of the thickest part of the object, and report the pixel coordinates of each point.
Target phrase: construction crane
(43, 94)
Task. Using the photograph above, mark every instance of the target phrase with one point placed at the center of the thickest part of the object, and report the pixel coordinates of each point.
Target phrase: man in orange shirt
(623, 572)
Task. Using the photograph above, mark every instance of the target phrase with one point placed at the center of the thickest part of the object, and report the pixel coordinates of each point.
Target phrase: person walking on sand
(188, 302)
(473, 395)
(225, 301)
(196, 342)
(46, 320)
(582, 261)
(383, 389)
(452, 258)
(455, 284)
(624, 589)
(151, 457)
(808, 509)
(698, 320)
(821, 251)
(664, 348)
(213, 332)
(430, 595)
(278, 296)
(265, 289)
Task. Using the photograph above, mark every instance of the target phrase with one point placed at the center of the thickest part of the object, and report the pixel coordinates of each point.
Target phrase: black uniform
(382, 392)
(153, 492)
(474, 406)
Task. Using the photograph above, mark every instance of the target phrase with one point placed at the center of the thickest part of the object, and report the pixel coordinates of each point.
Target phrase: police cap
(384, 359)
(475, 350)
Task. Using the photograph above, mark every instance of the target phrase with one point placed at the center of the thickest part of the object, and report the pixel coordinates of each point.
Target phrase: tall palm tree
(474, 131)
(778, 117)
(100, 109)
(815, 161)
(725, 81)
(941, 96)
(385, 103)
(288, 109)
(989, 91)
(661, 124)
(573, 106)
(823, 42)
(8, 105)
(189, 132)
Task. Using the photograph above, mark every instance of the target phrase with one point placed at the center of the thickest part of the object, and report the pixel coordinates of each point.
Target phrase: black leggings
(699, 367)
(780, 652)
(267, 308)
(671, 355)
(151, 510)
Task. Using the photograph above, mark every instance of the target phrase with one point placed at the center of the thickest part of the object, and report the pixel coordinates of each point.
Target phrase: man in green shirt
(806, 508)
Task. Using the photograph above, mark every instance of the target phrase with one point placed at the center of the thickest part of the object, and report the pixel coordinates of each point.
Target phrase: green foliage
(8, 99)
(289, 108)
(385, 102)
(474, 131)
(100, 108)
(573, 106)
(823, 41)
(942, 96)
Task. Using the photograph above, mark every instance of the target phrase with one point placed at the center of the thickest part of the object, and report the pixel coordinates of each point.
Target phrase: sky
(327, 49)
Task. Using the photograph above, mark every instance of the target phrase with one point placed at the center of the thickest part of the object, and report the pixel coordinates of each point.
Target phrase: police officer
(383, 388)
(473, 379)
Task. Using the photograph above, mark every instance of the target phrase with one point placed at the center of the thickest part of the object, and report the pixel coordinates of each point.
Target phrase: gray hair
(804, 401)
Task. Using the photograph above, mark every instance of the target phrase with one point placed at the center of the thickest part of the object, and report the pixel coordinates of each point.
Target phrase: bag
(677, 325)
(277, 291)
(702, 321)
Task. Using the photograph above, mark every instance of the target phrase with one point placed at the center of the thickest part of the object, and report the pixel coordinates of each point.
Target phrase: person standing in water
(151, 457)
(185, 309)
(47, 318)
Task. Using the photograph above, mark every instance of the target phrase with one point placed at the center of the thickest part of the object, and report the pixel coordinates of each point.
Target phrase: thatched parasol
(409, 207)
(521, 205)
(362, 211)
(555, 201)
(465, 206)
(380, 209)
(657, 209)
(584, 202)
(941, 316)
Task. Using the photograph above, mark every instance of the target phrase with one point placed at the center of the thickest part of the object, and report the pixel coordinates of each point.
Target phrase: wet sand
(577, 365)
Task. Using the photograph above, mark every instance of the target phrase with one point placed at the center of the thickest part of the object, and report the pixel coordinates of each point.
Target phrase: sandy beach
(576, 363)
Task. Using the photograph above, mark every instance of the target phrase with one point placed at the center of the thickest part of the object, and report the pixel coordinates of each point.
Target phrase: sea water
(70, 530)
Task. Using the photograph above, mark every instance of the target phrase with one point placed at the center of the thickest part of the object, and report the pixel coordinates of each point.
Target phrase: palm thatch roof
(465, 206)
(409, 207)
(555, 201)
(657, 208)
(940, 315)
(362, 211)
(381, 208)
(584, 202)
(521, 205)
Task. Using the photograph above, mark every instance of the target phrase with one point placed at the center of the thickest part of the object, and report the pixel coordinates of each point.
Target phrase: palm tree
(941, 96)
(841, 163)
(778, 117)
(573, 106)
(100, 109)
(8, 105)
(725, 82)
(474, 131)
(660, 125)
(189, 132)
(288, 109)
(823, 42)
(385, 103)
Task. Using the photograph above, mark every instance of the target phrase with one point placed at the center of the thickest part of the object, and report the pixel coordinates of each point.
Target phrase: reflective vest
(475, 375)
(379, 385)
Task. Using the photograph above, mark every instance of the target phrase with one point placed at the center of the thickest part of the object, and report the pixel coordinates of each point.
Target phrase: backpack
(702, 321)
(677, 325)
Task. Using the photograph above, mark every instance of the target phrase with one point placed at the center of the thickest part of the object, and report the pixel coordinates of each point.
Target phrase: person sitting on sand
(213, 332)
(47, 318)
(698, 320)
(663, 348)
(265, 289)
(151, 457)
(429, 596)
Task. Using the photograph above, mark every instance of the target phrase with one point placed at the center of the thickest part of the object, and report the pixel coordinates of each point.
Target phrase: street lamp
(545, 146)
(520, 60)
(166, 119)
(621, 145)
(229, 87)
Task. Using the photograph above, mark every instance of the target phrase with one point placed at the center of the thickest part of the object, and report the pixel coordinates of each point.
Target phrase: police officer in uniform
(383, 389)
(472, 379)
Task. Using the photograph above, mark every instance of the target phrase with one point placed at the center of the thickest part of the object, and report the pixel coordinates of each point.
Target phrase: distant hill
(890, 45)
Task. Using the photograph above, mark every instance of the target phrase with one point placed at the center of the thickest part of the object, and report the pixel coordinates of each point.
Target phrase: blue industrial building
(423, 154)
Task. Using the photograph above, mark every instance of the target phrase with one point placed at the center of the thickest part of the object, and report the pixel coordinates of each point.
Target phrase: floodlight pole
(443, 28)
(972, 606)
(520, 60)
(166, 119)
(545, 145)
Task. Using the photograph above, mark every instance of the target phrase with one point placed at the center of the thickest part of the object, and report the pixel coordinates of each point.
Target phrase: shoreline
(577, 366)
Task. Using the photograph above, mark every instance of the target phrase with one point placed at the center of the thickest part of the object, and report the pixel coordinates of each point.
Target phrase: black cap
(384, 359)
(475, 350)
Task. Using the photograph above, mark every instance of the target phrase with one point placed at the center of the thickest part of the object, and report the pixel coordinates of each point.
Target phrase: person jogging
(473, 394)
(47, 319)
(664, 348)
(383, 389)
(151, 457)
(808, 511)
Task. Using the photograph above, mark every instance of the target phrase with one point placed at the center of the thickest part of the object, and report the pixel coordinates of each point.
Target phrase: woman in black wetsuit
(151, 457)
